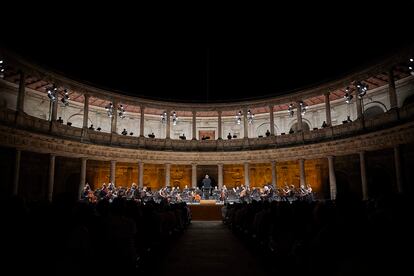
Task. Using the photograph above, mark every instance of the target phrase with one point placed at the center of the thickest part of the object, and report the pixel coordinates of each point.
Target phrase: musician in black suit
(206, 185)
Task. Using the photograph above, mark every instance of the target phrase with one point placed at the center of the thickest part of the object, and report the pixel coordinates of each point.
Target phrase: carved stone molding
(42, 143)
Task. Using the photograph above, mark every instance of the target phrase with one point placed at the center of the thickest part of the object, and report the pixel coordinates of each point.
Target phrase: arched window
(263, 128)
(372, 112)
(294, 128)
(408, 100)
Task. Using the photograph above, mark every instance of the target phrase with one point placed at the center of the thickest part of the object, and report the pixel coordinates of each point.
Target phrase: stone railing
(26, 122)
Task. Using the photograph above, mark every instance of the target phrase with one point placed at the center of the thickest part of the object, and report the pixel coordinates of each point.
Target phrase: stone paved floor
(208, 248)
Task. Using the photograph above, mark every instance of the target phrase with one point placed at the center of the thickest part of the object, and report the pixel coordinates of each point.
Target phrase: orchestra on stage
(191, 195)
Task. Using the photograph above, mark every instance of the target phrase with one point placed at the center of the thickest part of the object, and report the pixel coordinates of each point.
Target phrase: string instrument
(197, 197)
(91, 197)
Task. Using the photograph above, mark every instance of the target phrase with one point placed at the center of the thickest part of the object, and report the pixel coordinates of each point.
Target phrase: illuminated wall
(287, 173)
(233, 175)
(180, 175)
(316, 173)
(126, 174)
(260, 174)
(154, 176)
(317, 176)
(97, 173)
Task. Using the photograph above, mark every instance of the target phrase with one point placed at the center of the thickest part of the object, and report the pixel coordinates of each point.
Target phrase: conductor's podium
(206, 210)
(207, 202)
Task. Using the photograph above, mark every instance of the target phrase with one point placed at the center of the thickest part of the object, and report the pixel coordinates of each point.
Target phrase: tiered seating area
(77, 237)
(346, 237)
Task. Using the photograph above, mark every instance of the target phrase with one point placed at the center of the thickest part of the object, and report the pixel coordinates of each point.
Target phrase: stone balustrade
(26, 122)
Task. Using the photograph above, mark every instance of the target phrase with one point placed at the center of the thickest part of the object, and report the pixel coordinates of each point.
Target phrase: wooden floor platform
(206, 211)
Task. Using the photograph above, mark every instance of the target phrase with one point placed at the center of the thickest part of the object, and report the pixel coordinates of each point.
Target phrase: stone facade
(29, 124)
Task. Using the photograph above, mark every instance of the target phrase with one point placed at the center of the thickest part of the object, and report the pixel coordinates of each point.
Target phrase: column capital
(219, 112)
(327, 93)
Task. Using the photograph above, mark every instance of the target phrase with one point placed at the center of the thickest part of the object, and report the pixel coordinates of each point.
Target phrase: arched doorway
(294, 128)
(372, 112)
(263, 128)
(409, 100)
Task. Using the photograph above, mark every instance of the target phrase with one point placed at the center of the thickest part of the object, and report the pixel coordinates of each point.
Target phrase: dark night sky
(248, 58)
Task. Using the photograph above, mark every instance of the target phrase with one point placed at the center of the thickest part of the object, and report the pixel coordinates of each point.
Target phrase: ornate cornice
(41, 143)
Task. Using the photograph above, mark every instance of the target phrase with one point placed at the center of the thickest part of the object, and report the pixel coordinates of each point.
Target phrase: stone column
(82, 176)
(220, 175)
(299, 116)
(54, 110)
(359, 107)
(167, 174)
(245, 125)
(142, 122)
(194, 125)
(274, 177)
(391, 89)
(246, 175)
(193, 175)
(302, 173)
(332, 177)
(114, 117)
(363, 176)
(398, 170)
(51, 177)
(220, 135)
(328, 109)
(16, 172)
(168, 127)
(22, 92)
(113, 172)
(272, 121)
(85, 110)
(141, 174)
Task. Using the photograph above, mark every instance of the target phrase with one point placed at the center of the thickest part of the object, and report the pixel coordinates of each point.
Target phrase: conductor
(206, 182)
(206, 186)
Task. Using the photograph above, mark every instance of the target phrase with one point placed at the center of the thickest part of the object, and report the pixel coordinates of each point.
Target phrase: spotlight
(348, 97)
(238, 117)
(1, 69)
(303, 108)
(290, 110)
(65, 98)
(164, 117)
(52, 93)
(110, 110)
(411, 66)
(362, 89)
(174, 118)
(121, 111)
(250, 116)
